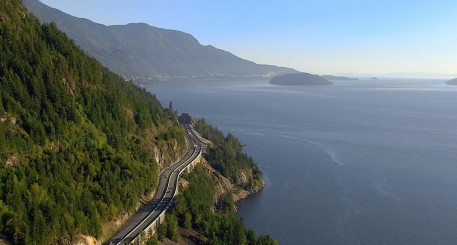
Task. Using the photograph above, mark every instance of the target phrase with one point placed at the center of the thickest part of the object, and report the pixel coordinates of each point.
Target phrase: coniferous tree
(75, 138)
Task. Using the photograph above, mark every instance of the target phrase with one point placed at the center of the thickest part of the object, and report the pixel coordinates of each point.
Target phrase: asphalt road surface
(168, 184)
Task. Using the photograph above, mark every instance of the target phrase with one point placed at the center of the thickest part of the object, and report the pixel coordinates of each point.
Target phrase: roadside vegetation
(225, 155)
(200, 207)
(78, 146)
(195, 209)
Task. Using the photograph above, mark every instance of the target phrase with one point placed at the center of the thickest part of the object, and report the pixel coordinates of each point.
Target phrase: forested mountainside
(204, 212)
(225, 155)
(141, 51)
(194, 219)
(79, 145)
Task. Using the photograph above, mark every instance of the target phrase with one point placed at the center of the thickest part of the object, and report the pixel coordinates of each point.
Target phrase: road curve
(168, 184)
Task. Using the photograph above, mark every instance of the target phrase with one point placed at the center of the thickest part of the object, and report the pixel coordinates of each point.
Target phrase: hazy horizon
(325, 37)
(356, 162)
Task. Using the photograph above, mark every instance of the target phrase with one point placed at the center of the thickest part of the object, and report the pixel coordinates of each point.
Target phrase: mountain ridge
(140, 51)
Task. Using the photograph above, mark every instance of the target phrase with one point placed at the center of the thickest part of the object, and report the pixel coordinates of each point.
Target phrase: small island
(299, 79)
(339, 78)
(452, 82)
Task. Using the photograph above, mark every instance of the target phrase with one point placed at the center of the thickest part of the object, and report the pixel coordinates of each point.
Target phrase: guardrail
(147, 217)
(197, 151)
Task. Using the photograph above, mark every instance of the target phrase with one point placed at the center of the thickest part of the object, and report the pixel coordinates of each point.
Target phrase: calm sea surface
(359, 162)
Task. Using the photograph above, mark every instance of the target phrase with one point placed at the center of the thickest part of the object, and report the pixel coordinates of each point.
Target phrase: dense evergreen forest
(226, 156)
(200, 208)
(76, 140)
(195, 209)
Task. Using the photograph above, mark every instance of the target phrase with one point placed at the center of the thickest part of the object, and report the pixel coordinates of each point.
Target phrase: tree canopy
(195, 209)
(226, 156)
(76, 140)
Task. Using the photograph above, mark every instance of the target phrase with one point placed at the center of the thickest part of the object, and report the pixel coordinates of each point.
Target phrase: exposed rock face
(299, 79)
(12, 160)
(86, 240)
(224, 185)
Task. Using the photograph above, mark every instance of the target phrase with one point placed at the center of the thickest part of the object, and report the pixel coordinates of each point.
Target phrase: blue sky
(325, 36)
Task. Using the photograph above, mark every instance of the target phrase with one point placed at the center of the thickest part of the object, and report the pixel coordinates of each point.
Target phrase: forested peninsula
(79, 145)
(205, 212)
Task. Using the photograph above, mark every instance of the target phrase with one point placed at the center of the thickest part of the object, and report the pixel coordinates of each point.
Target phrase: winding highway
(168, 186)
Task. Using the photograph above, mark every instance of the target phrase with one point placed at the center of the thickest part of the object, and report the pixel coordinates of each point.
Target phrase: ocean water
(358, 162)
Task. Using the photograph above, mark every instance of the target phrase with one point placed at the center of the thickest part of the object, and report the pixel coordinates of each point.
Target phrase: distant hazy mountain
(143, 51)
(418, 75)
(299, 79)
(331, 77)
(452, 81)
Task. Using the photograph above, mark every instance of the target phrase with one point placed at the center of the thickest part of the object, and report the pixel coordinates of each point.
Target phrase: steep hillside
(79, 145)
(204, 211)
(142, 51)
(225, 155)
(194, 219)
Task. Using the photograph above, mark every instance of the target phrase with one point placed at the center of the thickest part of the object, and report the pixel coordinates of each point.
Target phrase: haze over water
(359, 162)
